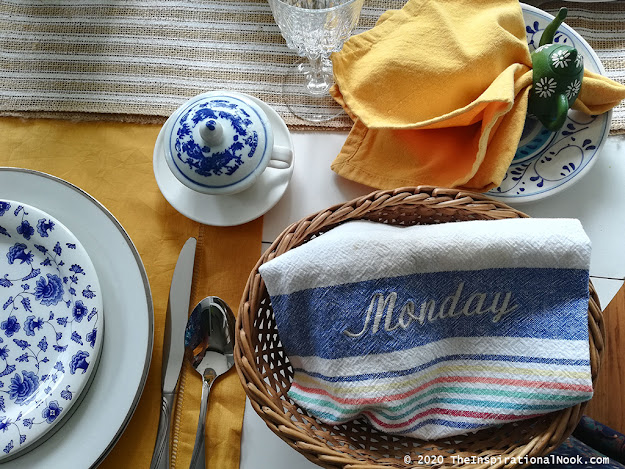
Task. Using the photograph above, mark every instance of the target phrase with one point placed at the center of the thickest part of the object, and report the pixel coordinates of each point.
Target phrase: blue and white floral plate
(548, 162)
(51, 324)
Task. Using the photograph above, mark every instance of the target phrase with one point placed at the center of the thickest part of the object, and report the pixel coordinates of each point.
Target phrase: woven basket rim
(320, 442)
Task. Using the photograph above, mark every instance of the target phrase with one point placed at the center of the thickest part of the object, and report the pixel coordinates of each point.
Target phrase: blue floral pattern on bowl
(51, 324)
(547, 162)
(239, 151)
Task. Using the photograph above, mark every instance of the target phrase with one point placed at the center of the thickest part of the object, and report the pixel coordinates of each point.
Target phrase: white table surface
(595, 200)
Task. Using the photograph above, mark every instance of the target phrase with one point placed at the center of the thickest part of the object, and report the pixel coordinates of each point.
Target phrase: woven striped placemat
(141, 59)
(138, 60)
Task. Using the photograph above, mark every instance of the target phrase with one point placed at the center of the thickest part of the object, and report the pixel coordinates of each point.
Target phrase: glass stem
(319, 81)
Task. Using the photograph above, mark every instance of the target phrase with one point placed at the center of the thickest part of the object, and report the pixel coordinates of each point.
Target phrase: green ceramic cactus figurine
(558, 72)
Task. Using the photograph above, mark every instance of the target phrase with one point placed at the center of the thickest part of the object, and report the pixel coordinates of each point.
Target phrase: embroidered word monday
(383, 307)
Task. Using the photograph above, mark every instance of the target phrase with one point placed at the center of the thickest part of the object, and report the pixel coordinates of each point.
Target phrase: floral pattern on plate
(547, 162)
(51, 324)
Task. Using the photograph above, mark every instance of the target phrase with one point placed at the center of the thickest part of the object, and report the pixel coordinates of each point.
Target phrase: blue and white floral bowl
(51, 324)
(220, 143)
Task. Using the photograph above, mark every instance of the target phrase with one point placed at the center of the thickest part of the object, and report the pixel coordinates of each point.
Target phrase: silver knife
(173, 347)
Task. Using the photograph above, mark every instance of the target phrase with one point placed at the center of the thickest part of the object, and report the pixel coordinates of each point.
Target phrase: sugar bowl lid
(218, 142)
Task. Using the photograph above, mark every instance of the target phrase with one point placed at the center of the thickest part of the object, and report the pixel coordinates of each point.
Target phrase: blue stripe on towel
(542, 304)
(446, 423)
(409, 371)
(328, 417)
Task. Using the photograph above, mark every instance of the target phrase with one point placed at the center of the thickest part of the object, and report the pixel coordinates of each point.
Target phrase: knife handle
(160, 457)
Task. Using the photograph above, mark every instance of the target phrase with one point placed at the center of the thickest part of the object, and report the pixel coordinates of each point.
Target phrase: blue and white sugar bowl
(220, 143)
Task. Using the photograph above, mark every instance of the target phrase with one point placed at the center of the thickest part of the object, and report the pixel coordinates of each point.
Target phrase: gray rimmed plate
(99, 420)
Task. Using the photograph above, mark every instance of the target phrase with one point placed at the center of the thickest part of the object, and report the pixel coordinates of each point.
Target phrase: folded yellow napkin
(113, 162)
(225, 257)
(438, 93)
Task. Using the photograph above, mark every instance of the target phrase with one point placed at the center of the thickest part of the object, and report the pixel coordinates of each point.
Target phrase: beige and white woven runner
(138, 60)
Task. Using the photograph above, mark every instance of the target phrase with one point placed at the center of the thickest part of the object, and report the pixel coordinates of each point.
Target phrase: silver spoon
(209, 343)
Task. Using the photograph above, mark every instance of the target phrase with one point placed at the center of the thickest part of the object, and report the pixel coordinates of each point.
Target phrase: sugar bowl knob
(211, 132)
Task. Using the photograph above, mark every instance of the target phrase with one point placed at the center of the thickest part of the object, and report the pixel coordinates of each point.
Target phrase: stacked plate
(67, 267)
(51, 324)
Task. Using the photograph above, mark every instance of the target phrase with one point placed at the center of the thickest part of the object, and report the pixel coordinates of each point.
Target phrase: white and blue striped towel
(436, 330)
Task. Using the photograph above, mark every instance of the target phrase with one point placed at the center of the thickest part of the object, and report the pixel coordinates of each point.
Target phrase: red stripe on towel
(447, 379)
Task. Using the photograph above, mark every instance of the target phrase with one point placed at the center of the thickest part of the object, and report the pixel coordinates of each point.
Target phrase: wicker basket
(266, 373)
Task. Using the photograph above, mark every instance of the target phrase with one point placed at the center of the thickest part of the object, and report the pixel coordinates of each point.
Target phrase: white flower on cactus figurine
(573, 89)
(561, 58)
(546, 87)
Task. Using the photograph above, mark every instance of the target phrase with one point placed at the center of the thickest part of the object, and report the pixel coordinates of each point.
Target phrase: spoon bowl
(209, 346)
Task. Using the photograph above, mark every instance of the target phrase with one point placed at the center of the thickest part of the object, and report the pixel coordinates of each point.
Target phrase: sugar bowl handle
(281, 157)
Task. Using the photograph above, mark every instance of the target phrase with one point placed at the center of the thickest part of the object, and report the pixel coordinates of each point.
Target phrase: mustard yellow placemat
(113, 162)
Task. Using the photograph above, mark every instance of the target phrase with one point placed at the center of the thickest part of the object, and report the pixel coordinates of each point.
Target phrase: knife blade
(173, 347)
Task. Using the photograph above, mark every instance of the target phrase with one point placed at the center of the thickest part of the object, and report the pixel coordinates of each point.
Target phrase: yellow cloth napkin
(438, 94)
(113, 162)
(225, 257)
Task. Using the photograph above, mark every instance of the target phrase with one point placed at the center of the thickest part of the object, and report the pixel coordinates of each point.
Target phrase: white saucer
(226, 210)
